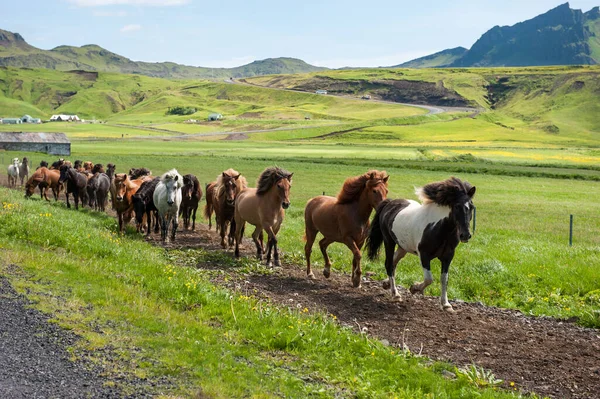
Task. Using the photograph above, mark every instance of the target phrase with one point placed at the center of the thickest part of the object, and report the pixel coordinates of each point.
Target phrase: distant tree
(181, 110)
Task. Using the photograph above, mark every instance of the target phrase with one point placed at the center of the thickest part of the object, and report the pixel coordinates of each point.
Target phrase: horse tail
(375, 238)
(208, 210)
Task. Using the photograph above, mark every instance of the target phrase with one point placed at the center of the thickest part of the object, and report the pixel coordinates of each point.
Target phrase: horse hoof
(277, 263)
(449, 309)
(310, 276)
(397, 298)
(386, 284)
(269, 264)
(326, 273)
(414, 289)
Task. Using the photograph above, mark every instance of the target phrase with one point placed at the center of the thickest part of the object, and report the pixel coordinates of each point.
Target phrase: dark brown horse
(344, 219)
(124, 190)
(143, 205)
(136, 173)
(76, 185)
(209, 208)
(264, 207)
(229, 184)
(44, 178)
(191, 196)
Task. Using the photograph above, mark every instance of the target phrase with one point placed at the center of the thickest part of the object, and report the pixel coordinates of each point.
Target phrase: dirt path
(542, 355)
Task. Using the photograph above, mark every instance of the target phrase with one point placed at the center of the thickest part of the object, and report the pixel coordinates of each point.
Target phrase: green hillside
(436, 60)
(16, 52)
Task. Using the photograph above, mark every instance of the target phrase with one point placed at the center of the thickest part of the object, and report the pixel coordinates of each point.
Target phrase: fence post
(571, 230)
(474, 218)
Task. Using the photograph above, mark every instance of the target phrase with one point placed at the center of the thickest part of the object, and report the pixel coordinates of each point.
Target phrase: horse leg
(323, 244)
(239, 232)
(356, 270)
(444, 279)
(427, 277)
(223, 232)
(67, 197)
(258, 242)
(163, 228)
(391, 261)
(76, 199)
(231, 236)
(310, 234)
(194, 221)
(272, 246)
(175, 226)
(156, 222)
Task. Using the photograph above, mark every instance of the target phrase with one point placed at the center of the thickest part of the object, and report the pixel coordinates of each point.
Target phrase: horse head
(88, 165)
(284, 184)
(110, 170)
(29, 187)
(187, 191)
(462, 213)
(231, 187)
(376, 187)
(15, 161)
(43, 164)
(25, 161)
(120, 186)
(64, 169)
(98, 168)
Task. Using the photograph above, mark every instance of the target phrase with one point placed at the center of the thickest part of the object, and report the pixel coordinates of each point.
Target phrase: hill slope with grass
(16, 52)
(437, 60)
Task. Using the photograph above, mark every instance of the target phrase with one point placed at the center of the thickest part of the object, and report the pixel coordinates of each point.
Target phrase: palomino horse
(344, 219)
(24, 170)
(430, 230)
(191, 195)
(45, 178)
(143, 205)
(167, 199)
(76, 185)
(122, 191)
(264, 207)
(13, 172)
(229, 184)
(209, 208)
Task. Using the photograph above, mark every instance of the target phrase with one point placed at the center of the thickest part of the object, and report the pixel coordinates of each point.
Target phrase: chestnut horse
(209, 208)
(191, 195)
(229, 184)
(344, 219)
(124, 189)
(45, 178)
(264, 207)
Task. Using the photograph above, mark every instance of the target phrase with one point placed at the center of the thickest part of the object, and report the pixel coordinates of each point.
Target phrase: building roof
(18, 137)
(11, 119)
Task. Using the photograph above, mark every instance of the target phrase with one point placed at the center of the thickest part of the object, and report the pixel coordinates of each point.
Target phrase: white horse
(167, 199)
(13, 173)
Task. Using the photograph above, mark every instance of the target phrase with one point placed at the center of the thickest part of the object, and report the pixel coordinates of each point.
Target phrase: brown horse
(124, 189)
(344, 219)
(45, 178)
(229, 184)
(191, 194)
(264, 207)
(209, 208)
(88, 166)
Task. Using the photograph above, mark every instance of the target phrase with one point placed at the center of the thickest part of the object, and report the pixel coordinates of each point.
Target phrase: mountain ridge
(16, 52)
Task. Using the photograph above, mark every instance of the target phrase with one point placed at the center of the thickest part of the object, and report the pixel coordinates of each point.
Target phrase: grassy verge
(167, 321)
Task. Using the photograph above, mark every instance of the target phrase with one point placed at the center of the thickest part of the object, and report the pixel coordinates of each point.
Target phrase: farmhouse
(50, 143)
(11, 121)
(215, 117)
(29, 119)
(64, 118)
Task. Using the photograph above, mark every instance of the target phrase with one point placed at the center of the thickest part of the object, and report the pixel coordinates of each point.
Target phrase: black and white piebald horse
(430, 230)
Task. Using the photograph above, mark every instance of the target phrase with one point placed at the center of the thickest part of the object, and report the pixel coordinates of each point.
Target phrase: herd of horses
(430, 229)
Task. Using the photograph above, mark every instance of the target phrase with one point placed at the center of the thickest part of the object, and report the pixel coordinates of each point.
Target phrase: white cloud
(96, 13)
(99, 3)
(130, 28)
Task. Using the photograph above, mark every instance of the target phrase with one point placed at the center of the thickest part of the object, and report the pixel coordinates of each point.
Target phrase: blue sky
(229, 33)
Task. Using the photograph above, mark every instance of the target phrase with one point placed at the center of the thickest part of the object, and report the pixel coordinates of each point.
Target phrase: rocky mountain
(561, 36)
(16, 52)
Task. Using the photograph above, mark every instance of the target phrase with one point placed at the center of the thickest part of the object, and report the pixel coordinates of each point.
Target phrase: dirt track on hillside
(542, 355)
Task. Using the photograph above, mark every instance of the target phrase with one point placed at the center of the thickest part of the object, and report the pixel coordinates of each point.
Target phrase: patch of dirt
(87, 75)
(236, 136)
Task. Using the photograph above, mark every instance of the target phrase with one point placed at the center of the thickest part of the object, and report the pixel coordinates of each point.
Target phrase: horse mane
(445, 193)
(269, 177)
(98, 168)
(354, 186)
(136, 173)
(194, 180)
(147, 187)
(172, 175)
(240, 182)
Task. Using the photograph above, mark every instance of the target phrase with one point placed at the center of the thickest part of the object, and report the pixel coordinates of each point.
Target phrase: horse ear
(237, 176)
(176, 177)
(224, 175)
(371, 175)
(471, 192)
(290, 177)
(385, 179)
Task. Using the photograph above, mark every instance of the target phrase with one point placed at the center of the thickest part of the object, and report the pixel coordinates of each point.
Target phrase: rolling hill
(16, 52)
(561, 36)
